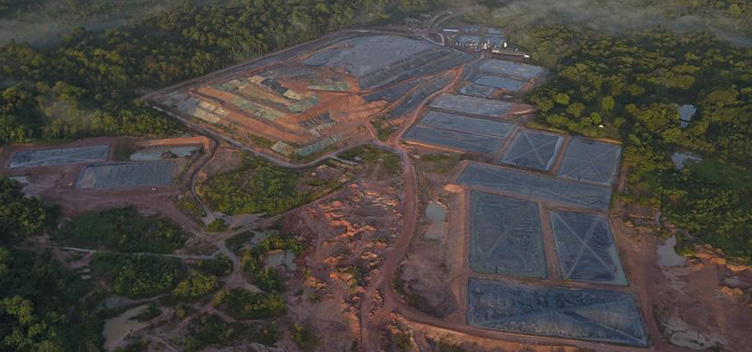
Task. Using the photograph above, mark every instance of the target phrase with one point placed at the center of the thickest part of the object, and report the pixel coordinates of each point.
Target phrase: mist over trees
(730, 20)
(88, 85)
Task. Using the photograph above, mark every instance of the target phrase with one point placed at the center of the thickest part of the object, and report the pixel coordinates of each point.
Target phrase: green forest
(40, 308)
(124, 230)
(137, 275)
(628, 86)
(259, 186)
(244, 305)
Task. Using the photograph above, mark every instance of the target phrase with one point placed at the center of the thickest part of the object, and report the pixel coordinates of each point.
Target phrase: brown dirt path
(383, 281)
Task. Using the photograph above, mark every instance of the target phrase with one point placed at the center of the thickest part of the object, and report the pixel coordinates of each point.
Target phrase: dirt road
(383, 281)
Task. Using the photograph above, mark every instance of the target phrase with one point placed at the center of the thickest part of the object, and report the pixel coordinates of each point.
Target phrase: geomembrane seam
(586, 248)
(126, 175)
(60, 156)
(454, 140)
(593, 161)
(537, 186)
(555, 311)
(505, 236)
(534, 150)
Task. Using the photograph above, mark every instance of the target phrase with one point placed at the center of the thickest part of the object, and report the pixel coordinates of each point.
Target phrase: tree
(561, 99)
(19, 215)
(197, 285)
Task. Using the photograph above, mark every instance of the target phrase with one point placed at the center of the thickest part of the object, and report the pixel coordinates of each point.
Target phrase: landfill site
(319, 95)
(486, 233)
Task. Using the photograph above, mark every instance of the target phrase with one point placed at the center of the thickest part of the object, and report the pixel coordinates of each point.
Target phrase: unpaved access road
(383, 281)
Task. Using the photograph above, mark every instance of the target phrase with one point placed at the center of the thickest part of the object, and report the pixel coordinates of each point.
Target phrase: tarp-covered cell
(505, 236)
(586, 249)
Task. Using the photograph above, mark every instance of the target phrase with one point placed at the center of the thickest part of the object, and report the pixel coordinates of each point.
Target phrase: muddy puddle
(118, 328)
(280, 258)
(667, 256)
(436, 214)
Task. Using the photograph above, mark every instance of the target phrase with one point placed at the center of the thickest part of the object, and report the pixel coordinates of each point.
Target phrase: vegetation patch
(243, 304)
(219, 266)
(252, 260)
(136, 346)
(20, 215)
(210, 330)
(123, 151)
(237, 242)
(261, 187)
(196, 286)
(137, 275)
(218, 225)
(371, 155)
(41, 305)
(124, 230)
(304, 337)
(439, 162)
(190, 206)
(384, 128)
(152, 311)
(403, 341)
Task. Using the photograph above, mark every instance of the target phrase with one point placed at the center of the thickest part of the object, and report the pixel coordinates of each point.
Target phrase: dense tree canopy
(244, 304)
(18, 214)
(125, 230)
(36, 293)
(137, 275)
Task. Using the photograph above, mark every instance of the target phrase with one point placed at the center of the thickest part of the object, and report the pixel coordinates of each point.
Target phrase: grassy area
(304, 337)
(218, 225)
(261, 187)
(137, 346)
(189, 205)
(402, 340)
(124, 230)
(439, 162)
(152, 311)
(723, 175)
(261, 141)
(384, 129)
(712, 200)
(371, 155)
